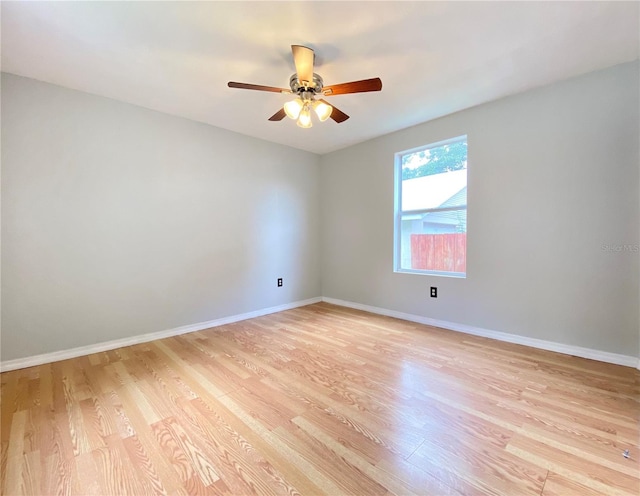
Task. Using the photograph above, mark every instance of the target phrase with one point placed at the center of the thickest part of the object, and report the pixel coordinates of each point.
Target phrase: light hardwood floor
(322, 400)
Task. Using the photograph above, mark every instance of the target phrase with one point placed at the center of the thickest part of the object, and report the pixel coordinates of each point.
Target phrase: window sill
(455, 275)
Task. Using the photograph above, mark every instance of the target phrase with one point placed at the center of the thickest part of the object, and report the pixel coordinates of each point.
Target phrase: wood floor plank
(285, 459)
(577, 469)
(482, 468)
(115, 473)
(146, 473)
(341, 476)
(557, 485)
(171, 446)
(238, 462)
(7, 405)
(134, 419)
(88, 474)
(32, 473)
(319, 400)
(13, 478)
(416, 479)
(376, 481)
(242, 464)
(60, 473)
(353, 435)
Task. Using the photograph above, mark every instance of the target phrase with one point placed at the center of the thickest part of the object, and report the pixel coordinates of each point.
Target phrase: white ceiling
(434, 58)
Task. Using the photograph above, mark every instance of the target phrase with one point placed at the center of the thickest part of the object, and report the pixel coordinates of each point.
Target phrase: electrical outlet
(279, 282)
(434, 292)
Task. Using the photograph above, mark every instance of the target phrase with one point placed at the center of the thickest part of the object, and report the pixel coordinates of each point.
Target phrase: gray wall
(119, 221)
(553, 180)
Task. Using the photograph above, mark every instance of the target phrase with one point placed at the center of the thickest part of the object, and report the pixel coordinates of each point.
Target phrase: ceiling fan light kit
(293, 108)
(299, 109)
(305, 117)
(307, 85)
(323, 110)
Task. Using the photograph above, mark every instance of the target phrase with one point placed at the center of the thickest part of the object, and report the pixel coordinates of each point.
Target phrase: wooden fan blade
(257, 87)
(278, 116)
(303, 59)
(362, 86)
(337, 114)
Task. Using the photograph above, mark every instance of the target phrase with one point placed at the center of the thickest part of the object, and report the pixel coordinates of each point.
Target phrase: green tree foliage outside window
(435, 160)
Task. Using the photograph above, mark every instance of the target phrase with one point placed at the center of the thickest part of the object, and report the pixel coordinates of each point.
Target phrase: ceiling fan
(308, 85)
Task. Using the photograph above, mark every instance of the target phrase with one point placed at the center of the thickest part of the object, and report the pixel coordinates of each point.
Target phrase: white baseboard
(21, 363)
(601, 356)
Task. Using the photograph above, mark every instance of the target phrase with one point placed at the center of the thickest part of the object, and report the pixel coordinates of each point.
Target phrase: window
(431, 209)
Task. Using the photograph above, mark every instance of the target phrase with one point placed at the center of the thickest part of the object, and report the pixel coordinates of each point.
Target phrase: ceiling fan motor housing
(301, 87)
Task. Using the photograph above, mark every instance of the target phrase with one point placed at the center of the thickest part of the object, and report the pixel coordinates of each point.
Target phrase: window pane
(435, 160)
(439, 190)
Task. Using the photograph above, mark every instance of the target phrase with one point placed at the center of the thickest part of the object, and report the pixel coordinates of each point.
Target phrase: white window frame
(398, 212)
